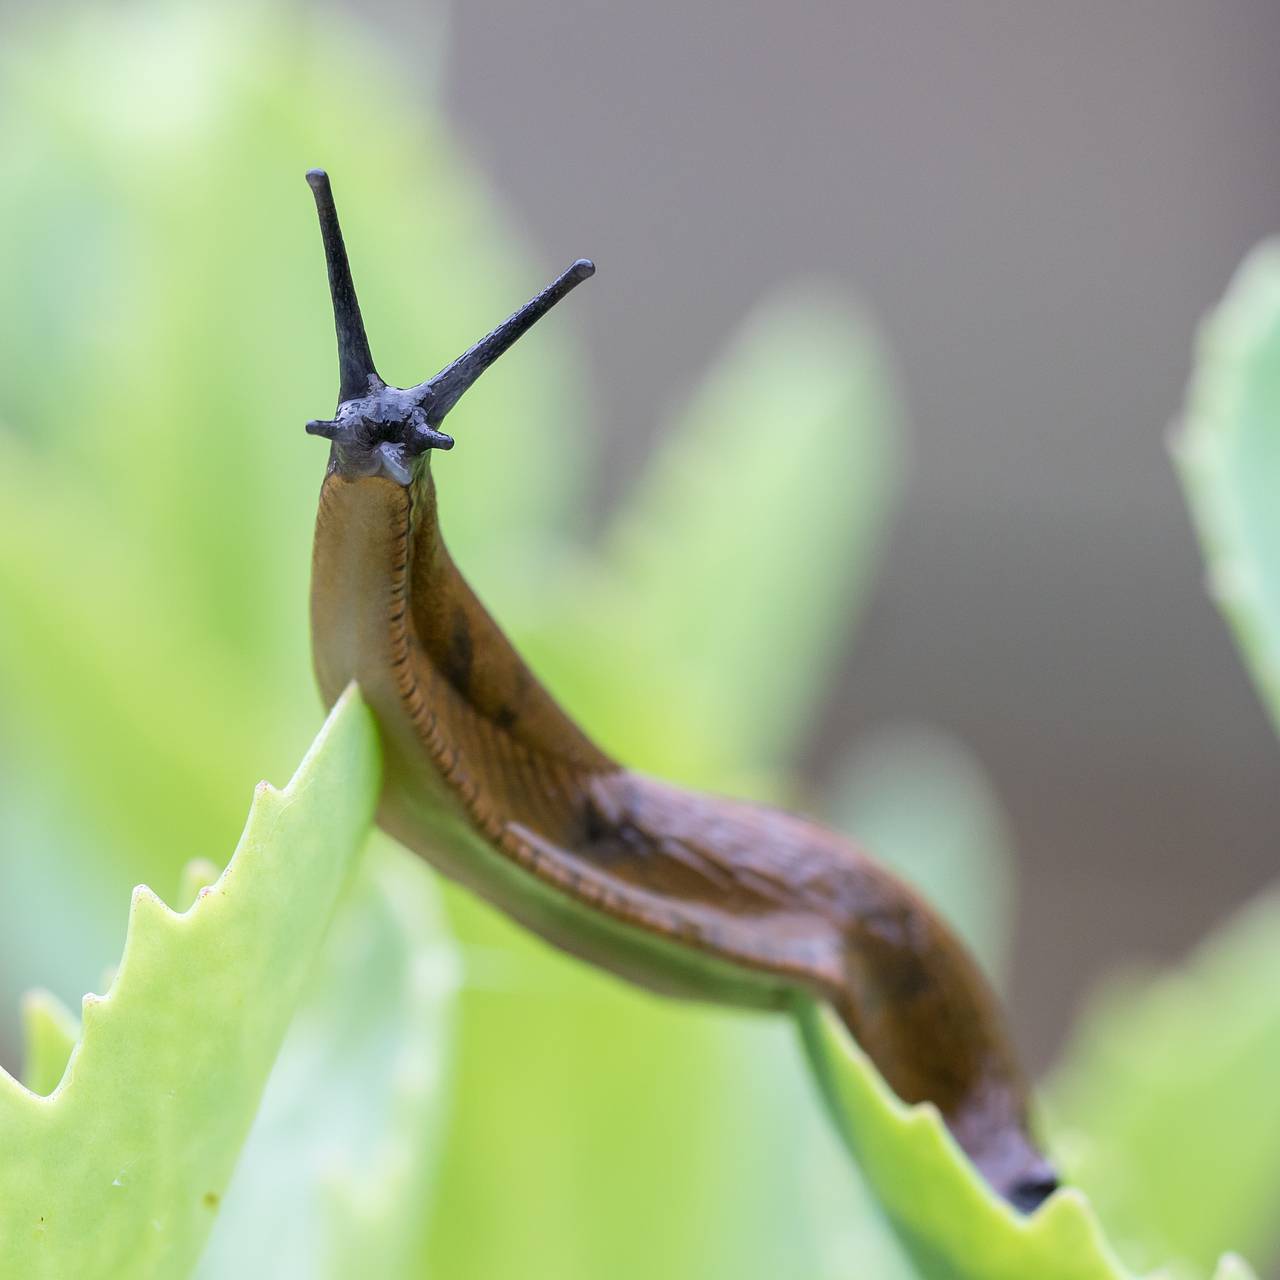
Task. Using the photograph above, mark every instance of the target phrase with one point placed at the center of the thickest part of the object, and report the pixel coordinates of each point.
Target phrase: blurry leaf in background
(50, 1032)
(1233, 1267)
(1228, 457)
(344, 1147)
(1166, 1104)
(68, 933)
(750, 542)
(120, 1170)
(701, 640)
(1167, 1099)
(918, 801)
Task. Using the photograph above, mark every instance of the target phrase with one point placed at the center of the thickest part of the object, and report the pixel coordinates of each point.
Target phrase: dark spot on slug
(458, 658)
(506, 717)
(595, 827)
(904, 979)
(612, 838)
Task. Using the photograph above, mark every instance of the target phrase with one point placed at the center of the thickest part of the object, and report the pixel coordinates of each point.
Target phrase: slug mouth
(382, 430)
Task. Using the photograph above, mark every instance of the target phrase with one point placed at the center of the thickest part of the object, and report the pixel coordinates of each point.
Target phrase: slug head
(382, 430)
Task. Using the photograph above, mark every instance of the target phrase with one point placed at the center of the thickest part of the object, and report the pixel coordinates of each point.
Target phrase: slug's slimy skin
(490, 781)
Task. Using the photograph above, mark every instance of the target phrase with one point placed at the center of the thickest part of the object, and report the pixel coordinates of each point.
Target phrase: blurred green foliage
(166, 332)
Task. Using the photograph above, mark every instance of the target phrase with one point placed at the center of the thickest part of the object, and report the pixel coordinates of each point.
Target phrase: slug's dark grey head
(381, 430)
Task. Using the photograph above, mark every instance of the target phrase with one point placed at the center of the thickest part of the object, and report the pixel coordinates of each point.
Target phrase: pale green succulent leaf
(118, 1173)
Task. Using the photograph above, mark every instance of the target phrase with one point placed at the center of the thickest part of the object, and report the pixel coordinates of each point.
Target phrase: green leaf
(1228, 456)
(149, 717)
(748, 546)
(336, 1177)
(1166, 1105)
(954, 1227)
(50, 1033)
(118, 1173)
(1201, 1045)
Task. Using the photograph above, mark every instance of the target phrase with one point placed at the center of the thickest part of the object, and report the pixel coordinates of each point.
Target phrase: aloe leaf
(120, 1170)
(1201, 1044)
(337, 1175)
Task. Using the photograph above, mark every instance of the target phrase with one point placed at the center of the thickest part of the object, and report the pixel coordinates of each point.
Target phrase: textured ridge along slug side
(490, 781)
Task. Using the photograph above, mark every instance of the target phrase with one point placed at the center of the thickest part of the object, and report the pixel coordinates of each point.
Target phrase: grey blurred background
(1036, 203)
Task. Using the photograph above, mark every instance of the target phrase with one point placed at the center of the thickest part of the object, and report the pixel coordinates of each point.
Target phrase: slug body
(490, 781)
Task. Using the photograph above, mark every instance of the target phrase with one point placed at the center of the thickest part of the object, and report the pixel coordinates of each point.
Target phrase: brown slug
(493, 784)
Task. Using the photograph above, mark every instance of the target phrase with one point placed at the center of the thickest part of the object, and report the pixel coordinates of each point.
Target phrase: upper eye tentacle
(371, 415)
